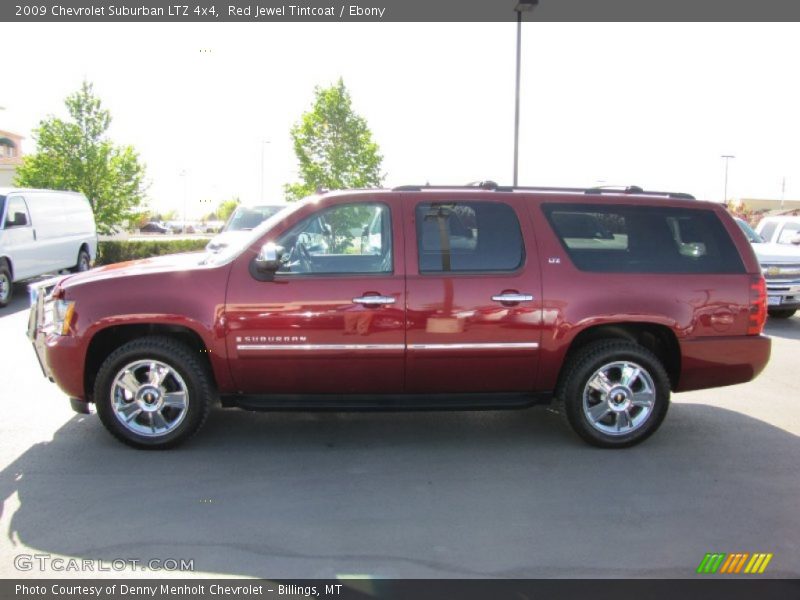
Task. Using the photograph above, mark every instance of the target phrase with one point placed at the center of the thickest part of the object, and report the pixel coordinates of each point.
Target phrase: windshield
(749, 232)
(237, 246)
(245, 218)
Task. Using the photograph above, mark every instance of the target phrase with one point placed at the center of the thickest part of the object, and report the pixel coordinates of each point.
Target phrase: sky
(648, 104)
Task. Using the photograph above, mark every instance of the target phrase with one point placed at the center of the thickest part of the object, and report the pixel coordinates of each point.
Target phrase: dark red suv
(487, 297)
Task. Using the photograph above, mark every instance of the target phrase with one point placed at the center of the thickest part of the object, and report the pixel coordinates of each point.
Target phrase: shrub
(114, 251)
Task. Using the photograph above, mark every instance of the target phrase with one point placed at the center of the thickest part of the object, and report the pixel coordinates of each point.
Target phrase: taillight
(758, 305)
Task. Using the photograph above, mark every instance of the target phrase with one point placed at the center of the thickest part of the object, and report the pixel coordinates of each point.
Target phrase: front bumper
(37, 321)
(42, 341)
(783, 294)
(57, 354)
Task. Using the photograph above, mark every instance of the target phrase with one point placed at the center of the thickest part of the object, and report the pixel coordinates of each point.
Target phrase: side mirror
(264, 266)
(269, 259)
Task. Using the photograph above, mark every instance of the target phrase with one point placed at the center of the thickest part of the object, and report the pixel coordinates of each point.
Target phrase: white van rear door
(55, 244)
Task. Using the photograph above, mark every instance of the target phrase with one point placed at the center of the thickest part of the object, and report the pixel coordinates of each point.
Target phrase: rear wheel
(153, 393)
(6, 285)
(781, 313)
(84, 262)
(614, 393)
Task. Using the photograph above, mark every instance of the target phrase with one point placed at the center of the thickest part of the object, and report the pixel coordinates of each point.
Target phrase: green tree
(142, 219)
(170, 215)
(77, 155)
(334, 146)
(226, 208)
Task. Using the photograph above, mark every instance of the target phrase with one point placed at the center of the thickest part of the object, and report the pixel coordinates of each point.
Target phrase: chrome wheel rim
(149, 398)
(619, 398)
(5, 287)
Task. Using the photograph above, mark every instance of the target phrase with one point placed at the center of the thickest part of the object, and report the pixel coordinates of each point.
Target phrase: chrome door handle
(374, 300)
(512, 298)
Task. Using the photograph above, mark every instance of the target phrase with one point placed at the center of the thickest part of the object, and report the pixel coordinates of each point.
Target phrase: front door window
(344, 239)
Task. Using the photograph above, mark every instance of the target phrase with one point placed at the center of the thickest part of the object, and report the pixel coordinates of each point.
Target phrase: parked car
(43, 231)
(242, 220)
(154, 227)
(212, 226)
(182, 227)
(780, 264)
(780, 230)
(421, 298)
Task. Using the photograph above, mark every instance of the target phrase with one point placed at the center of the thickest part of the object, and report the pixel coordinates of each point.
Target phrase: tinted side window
(468, 236)
(344, 239)
(17, 213)
(644, 239)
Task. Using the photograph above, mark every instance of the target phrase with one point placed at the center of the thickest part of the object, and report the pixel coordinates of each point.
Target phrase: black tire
(191, 375)
(6, 285)
(781, 313)
(584, 367)
(84, 262)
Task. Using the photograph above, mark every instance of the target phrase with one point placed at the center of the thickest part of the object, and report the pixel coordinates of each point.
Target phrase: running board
(385, 402)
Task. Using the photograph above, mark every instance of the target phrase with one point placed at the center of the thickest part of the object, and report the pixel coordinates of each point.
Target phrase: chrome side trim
(307, 347)
(477, 346)
(454, 346)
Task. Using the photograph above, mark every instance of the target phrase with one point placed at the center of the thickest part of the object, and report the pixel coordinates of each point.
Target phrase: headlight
(63, 311)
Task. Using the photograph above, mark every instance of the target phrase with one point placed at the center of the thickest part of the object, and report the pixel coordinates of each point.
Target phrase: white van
(43, 231)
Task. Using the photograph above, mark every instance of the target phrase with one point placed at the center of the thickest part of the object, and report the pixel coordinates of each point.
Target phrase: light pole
(783, 190)
(185, 174)
(263, 143)
(522, 6)
(727, 158)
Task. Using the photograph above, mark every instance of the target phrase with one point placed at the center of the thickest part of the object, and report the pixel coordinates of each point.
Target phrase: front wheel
(614, 393)
(781, 313)
(153, 393)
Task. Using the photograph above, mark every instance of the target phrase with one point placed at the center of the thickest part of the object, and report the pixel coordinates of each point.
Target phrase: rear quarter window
(643, 239)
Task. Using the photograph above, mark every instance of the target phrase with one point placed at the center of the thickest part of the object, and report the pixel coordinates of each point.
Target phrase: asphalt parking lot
(471, 494)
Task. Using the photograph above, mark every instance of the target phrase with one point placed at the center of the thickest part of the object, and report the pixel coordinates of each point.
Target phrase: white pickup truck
(780, 230)
(780, 264)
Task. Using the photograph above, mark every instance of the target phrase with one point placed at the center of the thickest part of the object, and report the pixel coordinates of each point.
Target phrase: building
(10, 156)
(763, 205)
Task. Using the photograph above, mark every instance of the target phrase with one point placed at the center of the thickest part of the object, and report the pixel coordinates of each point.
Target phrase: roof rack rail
(484, 185)
(491, 185)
